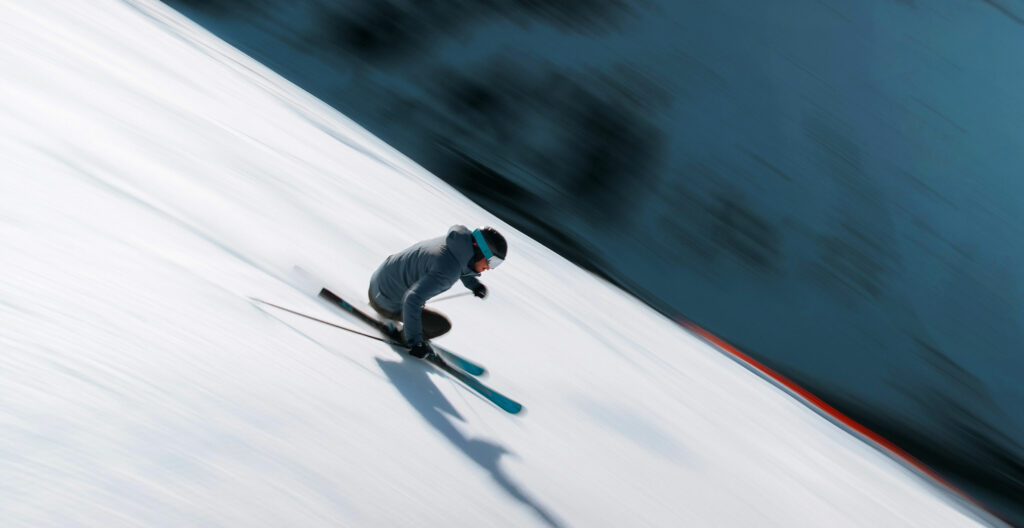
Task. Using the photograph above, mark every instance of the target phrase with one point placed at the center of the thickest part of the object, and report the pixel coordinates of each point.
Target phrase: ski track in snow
(155, 178)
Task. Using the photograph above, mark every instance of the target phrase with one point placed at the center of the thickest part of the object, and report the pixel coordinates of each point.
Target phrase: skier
(406, 280)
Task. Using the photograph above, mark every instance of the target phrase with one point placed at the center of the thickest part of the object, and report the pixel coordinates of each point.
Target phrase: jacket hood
(459, 242)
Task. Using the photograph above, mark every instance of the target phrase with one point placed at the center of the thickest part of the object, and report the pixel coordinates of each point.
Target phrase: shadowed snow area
(154, 179)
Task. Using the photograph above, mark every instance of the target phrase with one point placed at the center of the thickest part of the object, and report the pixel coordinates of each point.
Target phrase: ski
(504, 402)
(442, 359)
(329, 296)
(451, 357)
(459, 362)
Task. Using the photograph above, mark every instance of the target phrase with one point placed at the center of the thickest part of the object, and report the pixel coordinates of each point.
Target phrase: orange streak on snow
(826, 409)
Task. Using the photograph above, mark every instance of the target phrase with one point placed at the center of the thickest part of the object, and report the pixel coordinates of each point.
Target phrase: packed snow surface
(155, 180)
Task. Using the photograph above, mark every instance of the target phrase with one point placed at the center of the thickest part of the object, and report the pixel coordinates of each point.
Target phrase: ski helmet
(489, 244)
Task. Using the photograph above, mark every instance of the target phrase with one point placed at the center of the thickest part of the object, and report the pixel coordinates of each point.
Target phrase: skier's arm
(478, 288)
(470, 281)
(430, 285)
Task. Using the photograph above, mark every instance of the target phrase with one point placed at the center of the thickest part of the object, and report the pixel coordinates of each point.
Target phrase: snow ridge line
(835, 416)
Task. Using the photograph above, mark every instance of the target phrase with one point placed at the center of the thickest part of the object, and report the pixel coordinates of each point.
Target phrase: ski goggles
(492, 261)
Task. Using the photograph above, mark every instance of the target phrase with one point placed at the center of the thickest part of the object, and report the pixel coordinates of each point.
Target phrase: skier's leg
(392, 319)
(383, 313)
(435, 324)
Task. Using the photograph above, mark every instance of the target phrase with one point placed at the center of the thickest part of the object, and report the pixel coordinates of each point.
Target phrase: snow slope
(154, 179)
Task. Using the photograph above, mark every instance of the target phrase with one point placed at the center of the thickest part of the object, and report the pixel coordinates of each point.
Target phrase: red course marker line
(828, 410)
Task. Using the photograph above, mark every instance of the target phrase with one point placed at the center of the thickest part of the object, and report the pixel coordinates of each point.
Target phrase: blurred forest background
(834, 187)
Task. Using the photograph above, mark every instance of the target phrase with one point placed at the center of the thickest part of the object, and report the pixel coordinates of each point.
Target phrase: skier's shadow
(417, 388)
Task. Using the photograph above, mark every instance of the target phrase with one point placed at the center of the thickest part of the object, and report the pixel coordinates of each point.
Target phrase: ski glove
(420, 350)
(480, 291)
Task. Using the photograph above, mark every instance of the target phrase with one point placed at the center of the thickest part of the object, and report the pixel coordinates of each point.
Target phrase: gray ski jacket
(406, 280)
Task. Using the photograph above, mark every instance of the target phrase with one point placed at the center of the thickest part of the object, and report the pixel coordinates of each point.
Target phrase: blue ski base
(505, 403)
(459, 362)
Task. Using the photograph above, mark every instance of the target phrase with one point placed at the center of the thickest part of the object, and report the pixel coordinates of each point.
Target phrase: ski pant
(434, 323)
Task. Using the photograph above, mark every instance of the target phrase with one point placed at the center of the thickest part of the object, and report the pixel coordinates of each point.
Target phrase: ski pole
(345, 328)
(452, 296)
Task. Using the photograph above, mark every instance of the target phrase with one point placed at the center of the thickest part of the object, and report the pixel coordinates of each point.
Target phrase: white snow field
(154, 179)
